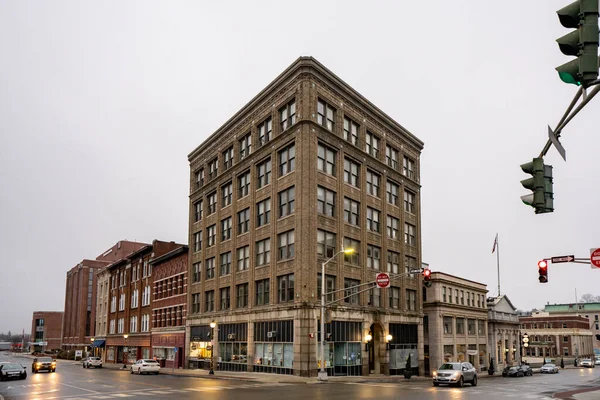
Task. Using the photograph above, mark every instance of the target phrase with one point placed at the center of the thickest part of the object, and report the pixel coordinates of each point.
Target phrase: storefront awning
(98, 343)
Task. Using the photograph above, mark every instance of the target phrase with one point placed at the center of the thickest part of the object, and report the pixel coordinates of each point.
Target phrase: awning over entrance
(98, 343)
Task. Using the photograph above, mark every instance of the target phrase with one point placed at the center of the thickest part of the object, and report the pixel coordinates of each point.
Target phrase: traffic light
(543, 271)
(582, 43)
(541, 184)
(427, 278)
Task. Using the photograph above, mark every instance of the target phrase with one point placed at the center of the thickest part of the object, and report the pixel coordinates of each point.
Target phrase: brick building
(455, 321)
(169, 306)
(306, 168)
(102, 292)
(80, 295)
(46, 330)
(130, 303)
(556, 336)
(591, 311)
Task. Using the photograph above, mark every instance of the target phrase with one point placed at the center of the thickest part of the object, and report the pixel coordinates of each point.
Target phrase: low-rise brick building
(591, 311)
(46, 328)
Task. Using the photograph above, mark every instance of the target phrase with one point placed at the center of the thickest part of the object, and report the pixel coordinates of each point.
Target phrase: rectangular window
(444, 294)
(391, 157)
(350, 131)
(393, 262)
(285, 284)
(112, 326)
(411, 300)
(212, 203)
(392, 190)
(470, 326)
(199, 178)
(354, 257)
(225, 298)
(286, 245)
(263, 212)
(460, 326)
(448, 325)
(242, 295)
(351, 172)
(325, 115)
(197, 272)
(326, 159)
(197, 241)
(228, 158)
(209, 303)
(462, 297)
(373, 183)
(245, 146)
(244, 184)
(133, 324)
(262, 292)
(373, 220)
(325, 244)
(287, 115)
(196, 303)
(226, 263)
(264, 173)
(393, 227)
(329, 288)
(409, 168)
(243, 221)
(226, 229)
(134, 298)
(481, 327)
(287, 201)
(287, 160)
(265, 129)
(351, 211)
(243, 257)
(375, 297)
(325, 201)
(410, 264)
(122, 302)
(263, 252)
(226, 194)
(372, 144)
(351, 290)
(198, 211)
(409, 202)
(210, 268)
(410, 234)
(394, 296)
(373, 257)
(213, 168)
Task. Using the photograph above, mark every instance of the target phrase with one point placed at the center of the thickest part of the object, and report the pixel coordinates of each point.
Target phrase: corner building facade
(306, 168)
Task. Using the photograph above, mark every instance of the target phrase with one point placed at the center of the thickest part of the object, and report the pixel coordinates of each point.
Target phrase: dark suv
(43, 364)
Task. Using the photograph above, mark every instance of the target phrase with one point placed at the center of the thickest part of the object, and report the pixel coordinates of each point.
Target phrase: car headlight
(434, 373)
(38, 364)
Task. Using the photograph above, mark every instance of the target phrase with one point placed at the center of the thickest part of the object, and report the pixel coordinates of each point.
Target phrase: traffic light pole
(568, 116)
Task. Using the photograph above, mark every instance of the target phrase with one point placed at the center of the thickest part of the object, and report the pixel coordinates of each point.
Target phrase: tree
(589, 298)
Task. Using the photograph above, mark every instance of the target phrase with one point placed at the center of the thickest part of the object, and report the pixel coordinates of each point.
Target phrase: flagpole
(498, 261)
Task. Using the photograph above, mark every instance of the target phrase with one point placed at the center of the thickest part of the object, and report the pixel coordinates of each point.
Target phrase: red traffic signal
(427, 277)
(543, 271)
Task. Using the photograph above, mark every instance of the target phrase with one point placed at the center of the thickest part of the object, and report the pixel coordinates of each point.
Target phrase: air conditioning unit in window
(271, 334)
(231, 336)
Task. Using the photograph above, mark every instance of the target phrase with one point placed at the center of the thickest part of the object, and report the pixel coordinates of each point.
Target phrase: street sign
(557, 144)
(562, 259)
(383, 280)
(595, 258)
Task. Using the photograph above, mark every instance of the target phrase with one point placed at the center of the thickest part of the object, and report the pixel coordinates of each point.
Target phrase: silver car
(455, 373)
(549, 369)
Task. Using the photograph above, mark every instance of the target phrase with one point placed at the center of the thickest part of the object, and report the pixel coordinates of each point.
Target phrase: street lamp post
(125, 352)
(322, 375)
(92, 347)
(212, 346)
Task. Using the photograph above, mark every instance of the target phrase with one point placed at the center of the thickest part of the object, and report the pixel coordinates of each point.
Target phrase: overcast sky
(101, 102)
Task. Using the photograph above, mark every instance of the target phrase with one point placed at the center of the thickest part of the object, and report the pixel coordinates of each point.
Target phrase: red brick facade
(169, 307)
(557, 336)
(46, 326)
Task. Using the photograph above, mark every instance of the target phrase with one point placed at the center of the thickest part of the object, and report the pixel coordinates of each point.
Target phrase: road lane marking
(79, 388)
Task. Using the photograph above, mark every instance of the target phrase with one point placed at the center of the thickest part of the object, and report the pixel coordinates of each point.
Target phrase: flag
(495, 243)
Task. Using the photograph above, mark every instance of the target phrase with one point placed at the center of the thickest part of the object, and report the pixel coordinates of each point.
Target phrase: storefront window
(233, 352)
(199, 350)
(274, 354)
(110, 354)
(399, 354)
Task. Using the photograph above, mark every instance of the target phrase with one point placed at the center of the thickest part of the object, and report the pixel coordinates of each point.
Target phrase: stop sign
(383, 280)
(595, 258)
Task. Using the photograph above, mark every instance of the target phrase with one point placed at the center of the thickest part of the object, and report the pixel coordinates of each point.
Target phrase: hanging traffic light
(427, 278)
(543, 271)
(582, 43)
(541, 184)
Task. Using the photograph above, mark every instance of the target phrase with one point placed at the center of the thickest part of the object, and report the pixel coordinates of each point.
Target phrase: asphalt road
(72, 382)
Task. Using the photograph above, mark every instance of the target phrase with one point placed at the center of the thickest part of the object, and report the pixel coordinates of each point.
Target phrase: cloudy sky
(100, 103)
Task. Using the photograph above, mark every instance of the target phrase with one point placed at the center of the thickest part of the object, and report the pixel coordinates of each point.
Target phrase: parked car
(455, 373)
(597, 362)
(43, 364)
(12, 371)
(587, 362)
(513, 371)
(527, 371)
(145, 366)
(549, 369)
(95, 362)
